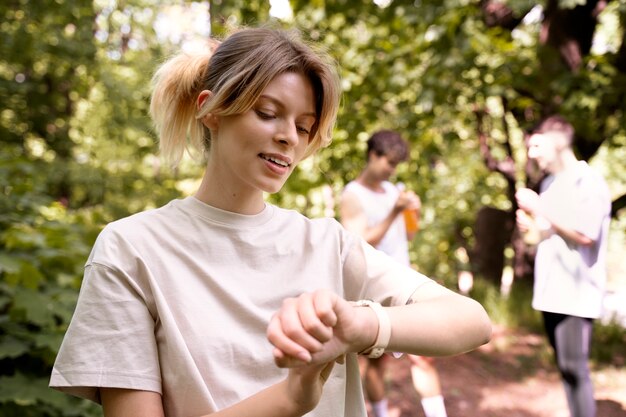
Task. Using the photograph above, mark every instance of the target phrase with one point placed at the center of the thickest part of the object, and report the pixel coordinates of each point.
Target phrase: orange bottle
(411, 221)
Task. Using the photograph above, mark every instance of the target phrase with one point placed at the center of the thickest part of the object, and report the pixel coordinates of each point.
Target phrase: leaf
(9, 264)
(22, 236)
(570, 4)
(28, 276)
(11, 347)
(36, 307)
(49, 341)
(28, 391)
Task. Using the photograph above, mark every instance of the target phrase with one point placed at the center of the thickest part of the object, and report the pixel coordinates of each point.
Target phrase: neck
(370, 181)
(566, 160)
(219, 193)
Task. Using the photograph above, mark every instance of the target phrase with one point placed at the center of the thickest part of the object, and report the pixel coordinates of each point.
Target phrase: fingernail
(304, 356)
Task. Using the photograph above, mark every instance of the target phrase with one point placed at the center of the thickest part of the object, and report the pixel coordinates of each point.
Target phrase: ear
(209, 120)
(561, 141)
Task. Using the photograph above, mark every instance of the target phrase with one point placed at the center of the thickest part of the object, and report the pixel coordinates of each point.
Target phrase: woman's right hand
(295, 396)
(318, 328)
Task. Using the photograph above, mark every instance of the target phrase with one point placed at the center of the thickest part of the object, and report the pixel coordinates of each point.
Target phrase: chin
(273, 188)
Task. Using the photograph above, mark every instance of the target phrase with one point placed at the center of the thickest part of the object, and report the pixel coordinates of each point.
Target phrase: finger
(285, 344)
(283, 361)
(291, 317)
(325, 302)
(415, 205)
(312, 323)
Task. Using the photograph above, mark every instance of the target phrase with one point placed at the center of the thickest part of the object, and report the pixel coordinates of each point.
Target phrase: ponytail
(175, 89)
(241, 67)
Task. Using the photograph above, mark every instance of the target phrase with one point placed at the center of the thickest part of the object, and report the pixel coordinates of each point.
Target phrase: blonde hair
(237, 71)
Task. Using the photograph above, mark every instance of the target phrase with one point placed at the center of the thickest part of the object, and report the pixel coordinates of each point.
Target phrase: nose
(287, 133)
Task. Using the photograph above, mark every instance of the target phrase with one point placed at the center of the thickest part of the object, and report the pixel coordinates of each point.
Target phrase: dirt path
(512, 376)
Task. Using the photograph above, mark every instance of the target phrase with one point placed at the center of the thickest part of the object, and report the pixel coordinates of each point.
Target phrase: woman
(178, 304)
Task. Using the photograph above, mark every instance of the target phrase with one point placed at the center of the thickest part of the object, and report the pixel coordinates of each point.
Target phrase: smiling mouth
(275, 160)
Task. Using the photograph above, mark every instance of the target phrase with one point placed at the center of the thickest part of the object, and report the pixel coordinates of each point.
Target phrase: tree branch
(571, 30)
(498, 14)
(505, 167)
(618, 204)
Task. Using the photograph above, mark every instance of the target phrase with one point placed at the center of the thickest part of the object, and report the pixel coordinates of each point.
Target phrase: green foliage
(608, 343)
(77, 152)
(510, 311)
(570, 4)
(42, 248)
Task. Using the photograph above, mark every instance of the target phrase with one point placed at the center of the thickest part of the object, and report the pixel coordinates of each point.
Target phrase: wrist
(396, 210)
(379, 326)
(287, 400)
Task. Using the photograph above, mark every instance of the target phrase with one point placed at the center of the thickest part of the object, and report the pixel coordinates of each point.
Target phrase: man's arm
(528, 200)
(569, 234)
(353, 218)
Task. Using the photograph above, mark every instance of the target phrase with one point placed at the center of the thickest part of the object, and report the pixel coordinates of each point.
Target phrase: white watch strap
(384, 330)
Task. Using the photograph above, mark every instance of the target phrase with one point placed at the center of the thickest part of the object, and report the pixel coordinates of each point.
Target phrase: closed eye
(264, 115)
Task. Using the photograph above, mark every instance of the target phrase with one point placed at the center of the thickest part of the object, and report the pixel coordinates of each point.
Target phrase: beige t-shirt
(177, 301)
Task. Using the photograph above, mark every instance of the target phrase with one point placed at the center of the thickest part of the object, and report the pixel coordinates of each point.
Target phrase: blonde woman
(222, 304)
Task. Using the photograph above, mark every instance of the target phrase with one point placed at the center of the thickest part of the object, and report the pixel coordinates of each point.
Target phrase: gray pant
(570, 338)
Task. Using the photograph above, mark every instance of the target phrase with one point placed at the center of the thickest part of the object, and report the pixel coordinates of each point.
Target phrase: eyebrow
(280, 104)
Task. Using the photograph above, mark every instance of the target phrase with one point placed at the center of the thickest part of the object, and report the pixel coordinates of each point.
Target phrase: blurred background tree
(462, 80)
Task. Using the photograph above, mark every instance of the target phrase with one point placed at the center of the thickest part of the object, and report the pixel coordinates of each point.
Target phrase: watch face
(377, 352)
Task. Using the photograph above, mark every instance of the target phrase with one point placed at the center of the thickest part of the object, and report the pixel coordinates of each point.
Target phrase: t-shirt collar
(198, 208)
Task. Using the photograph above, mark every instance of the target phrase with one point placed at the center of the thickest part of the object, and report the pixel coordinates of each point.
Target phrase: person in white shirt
(221, 304)
(374, 208)
(570, 219)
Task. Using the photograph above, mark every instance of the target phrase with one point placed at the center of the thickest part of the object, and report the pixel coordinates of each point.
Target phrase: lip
(278, 156)
(272, 166)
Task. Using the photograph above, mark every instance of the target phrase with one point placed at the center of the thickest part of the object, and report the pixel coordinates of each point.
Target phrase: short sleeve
(593, 208)
(372, 274)
(110, 341)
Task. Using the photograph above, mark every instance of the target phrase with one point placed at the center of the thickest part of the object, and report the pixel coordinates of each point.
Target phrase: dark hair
(388, 143)
(555, 123)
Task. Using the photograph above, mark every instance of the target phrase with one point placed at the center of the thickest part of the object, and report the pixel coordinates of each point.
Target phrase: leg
(571, 338)
(426, 383)
(374, 377)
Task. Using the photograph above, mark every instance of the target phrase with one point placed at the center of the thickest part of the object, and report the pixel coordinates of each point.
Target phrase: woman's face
(256, 151)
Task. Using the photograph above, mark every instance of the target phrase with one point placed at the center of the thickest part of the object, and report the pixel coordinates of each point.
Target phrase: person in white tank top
(372, 207)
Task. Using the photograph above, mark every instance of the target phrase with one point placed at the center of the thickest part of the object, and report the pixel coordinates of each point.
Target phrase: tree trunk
(493, 232)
